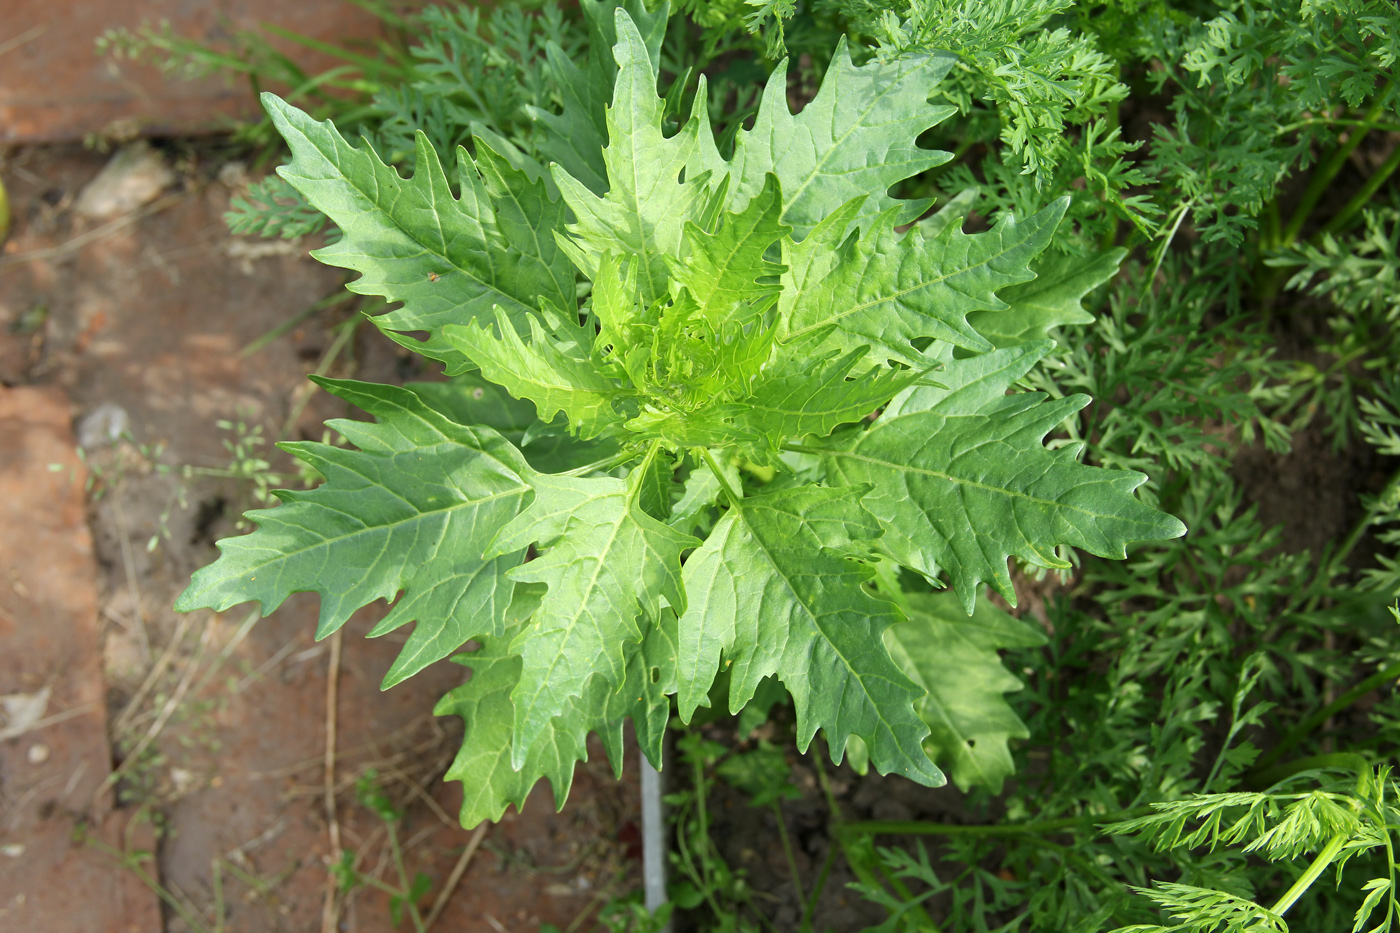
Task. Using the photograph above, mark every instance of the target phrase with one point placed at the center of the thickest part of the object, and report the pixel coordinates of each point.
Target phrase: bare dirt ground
(203, 738)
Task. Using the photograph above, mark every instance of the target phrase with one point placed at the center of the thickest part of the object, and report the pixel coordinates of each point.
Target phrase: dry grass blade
(455, 878)
(328, 908)
(168, 710)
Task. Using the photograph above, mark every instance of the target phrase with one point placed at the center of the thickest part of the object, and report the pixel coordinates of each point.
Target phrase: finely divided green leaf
(412, 510)
(773, 591)
(954, 658)
(610, 568)
(446, 257)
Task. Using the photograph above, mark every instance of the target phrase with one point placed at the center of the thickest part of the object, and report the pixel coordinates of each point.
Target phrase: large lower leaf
(954, 658)
(965, 483)
(610, 568)
(412, 510)
(490, 780)
(774, 591)
(446, 257)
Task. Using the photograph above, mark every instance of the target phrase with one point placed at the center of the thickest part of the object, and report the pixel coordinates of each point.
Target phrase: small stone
(38, 753)
(12, 850)
(233, 175)
(103, 426)
(134, 177)
(183, 779)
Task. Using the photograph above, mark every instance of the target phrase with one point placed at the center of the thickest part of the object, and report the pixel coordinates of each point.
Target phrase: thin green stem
(1260, 780)
(1324, 174)
(787, 850)
(1045, 827)
(811, 908)
(292, 323)
(1306, 727)
(406, 888)
(1315, 870)
(607, 463)
(1364, 194)
(859, 852)
(1360, 527)
(216, 870)
(733, 496)
(131, 861)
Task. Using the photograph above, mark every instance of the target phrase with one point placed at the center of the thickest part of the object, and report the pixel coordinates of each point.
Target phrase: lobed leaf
(607, 564)
(1054, 299)
(558, 376)
(855, 139)
(960, 489)
(884, 291)
(411, 511)
(447, 258)
(490, 780)
(953, 657)
(646, 206)
(773, 590)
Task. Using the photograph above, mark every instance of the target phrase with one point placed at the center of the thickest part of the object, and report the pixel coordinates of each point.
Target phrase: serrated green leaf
(725, 270)
(575, 137)
(646, 206)
(954, 658)
(883, 290)
(970, 386)
(773, 590)
(557, 375)
(445, 257)
(1054, 299)
(483, 765)
(610, 569)
(855, 139)
(962, 492)
(817, 398)
(549, 448)
(412, 510)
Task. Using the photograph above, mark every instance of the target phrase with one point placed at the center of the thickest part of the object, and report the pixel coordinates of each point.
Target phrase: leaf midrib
(812, 617)
(393, 222)
(999, 490)
(286, 556)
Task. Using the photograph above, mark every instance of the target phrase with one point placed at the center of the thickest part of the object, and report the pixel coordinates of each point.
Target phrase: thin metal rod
(653, 839)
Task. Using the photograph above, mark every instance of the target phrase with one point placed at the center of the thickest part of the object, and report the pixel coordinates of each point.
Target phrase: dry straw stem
(455, 878)
(328, 910)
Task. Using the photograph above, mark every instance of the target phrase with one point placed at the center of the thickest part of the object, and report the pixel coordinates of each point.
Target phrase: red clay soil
(149, 313)
(55, 762)
(54, 86)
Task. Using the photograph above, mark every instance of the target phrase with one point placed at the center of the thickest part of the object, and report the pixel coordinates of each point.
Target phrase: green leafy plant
(702, 337)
